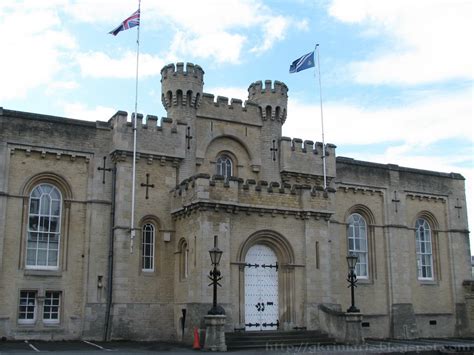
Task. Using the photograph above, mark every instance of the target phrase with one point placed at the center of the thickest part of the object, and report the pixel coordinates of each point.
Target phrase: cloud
(57, 87)
(39, 36)
(421, 122)
(101, 65)
(220, 46)
(211, 29)
(81, 112)
(428, 39)
(274, 30)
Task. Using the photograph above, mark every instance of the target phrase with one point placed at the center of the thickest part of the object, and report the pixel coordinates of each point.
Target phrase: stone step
(265, 339)
(277, 334)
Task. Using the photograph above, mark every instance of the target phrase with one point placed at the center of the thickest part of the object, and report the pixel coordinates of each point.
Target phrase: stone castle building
(214, 168)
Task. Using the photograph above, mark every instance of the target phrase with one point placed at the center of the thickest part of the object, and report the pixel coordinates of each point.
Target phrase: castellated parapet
(236, 195)
(304, 158)
(153, 141)
(272, 100)
(246, 112)
(181, 88)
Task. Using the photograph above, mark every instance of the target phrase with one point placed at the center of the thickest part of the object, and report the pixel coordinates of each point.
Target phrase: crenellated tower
(181, 93)
(272, 102)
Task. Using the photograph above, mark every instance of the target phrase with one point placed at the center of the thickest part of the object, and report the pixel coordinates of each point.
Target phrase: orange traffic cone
(196, 345)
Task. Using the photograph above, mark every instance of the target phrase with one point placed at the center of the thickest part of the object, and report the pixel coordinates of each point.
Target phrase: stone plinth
(215, 336)
(353, 328)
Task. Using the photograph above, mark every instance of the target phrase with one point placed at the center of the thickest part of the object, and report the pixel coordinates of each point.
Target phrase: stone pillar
(353, 328)
(215, 336)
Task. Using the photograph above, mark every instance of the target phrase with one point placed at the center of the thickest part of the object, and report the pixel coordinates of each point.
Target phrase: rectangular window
(27, 307)
(52, 307)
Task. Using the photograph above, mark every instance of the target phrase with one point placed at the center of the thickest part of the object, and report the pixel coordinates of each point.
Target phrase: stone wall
(275, 196)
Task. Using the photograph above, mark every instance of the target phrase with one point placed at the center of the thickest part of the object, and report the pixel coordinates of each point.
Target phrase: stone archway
(278, 272)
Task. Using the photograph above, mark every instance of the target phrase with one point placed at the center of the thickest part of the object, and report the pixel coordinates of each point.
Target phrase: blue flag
(305, 62)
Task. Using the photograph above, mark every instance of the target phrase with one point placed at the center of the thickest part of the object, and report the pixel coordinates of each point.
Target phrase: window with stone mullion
(148, 246)
(424, 251)
(357, 243)
(224, 166)
(44, 219)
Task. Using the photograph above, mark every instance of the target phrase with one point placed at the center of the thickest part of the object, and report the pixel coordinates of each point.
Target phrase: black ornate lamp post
(352, 279)
(215, 277)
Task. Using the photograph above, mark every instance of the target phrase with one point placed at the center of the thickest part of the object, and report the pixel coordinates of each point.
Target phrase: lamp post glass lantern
(352, 279)
(215, 276)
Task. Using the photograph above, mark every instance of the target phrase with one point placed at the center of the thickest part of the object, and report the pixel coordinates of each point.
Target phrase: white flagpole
(132, 217)
(322, 119)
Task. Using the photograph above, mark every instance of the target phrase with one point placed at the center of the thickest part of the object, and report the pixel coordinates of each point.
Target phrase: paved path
(418, 346)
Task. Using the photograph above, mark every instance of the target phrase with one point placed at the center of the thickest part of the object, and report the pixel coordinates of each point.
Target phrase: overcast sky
(397, 76)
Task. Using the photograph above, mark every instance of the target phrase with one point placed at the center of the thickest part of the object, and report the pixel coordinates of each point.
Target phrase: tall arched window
(357, 243)
(424, 250)
(44, 228)
(224, 166)
(148, 247)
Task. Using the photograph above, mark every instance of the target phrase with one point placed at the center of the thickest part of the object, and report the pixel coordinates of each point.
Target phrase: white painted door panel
(261, 289)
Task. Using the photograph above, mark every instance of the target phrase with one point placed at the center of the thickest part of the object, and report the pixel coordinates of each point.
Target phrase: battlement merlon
(192, 71)
(166, 139)
(219, 108)
(255, 89)
(305, 157)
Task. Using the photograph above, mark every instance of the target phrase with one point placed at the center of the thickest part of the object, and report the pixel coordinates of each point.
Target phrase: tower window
(224, 166)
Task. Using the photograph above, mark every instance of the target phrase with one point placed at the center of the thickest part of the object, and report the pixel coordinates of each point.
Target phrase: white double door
(261, 289)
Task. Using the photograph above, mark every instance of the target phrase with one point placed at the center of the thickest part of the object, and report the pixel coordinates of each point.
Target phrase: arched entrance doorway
(261, 289)
(266, 282)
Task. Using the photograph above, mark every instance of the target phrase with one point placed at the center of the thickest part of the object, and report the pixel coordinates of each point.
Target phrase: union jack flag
(132, 21)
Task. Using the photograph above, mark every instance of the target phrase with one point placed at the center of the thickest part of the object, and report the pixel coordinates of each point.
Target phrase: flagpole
(132, 217)
(322, 118)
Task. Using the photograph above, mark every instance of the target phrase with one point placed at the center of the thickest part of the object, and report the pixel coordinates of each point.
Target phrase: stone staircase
(277, 340)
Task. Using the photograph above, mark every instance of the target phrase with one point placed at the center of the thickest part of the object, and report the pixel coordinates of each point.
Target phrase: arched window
(424, 250)
(148, 247)
(268, 112)
(184, 260)
(357, 243)
(44, 227)
(224, 166)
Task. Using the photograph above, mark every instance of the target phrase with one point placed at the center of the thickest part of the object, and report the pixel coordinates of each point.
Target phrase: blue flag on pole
(302, 63)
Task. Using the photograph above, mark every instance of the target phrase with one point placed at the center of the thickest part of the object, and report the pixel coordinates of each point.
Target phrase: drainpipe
(111, 258)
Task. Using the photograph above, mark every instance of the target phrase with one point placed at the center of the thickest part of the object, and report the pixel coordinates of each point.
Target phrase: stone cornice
(256, 185)
(371, 190)
(43, 151)
(427, 197)
(121, 155)
(235, 208)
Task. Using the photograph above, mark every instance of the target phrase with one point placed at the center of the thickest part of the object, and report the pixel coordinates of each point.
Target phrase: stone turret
(272, 102)
(181, 93)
